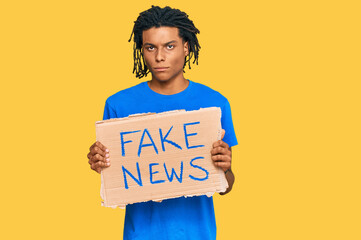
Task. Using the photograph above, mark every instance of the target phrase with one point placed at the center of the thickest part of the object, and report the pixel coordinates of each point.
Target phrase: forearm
(230, 179)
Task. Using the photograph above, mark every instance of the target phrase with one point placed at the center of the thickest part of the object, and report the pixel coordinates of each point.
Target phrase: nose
(160, 56)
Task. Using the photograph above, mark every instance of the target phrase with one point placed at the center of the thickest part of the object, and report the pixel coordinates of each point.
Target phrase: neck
(169, 87)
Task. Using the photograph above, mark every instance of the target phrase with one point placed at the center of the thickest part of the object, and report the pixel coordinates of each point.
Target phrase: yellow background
(290, 69)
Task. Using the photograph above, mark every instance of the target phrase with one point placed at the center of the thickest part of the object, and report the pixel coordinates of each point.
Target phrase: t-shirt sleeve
(108, 112)
(227, 124)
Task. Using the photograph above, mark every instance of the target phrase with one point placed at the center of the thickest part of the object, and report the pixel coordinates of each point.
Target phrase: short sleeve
(108, 112)
(227, 124)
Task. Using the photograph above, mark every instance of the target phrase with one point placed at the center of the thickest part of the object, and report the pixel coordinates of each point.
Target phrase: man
(164, 42)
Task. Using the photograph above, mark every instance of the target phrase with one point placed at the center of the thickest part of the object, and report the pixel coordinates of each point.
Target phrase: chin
(161, 78)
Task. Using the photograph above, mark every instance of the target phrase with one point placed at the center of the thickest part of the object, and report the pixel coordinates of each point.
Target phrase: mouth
(160, 69)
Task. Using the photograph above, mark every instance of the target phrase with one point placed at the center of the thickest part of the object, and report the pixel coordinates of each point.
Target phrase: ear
(186, 50)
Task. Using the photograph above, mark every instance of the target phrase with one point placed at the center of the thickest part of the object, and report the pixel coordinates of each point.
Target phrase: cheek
(178, 59)
(146, 59)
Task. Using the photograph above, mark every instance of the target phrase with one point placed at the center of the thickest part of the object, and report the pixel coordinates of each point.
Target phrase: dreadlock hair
(157, 17)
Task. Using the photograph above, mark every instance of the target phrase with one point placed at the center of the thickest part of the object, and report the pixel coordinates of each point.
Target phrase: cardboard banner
(160, 156)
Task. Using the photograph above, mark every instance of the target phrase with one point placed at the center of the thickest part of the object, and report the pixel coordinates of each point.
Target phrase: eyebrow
(173, 41)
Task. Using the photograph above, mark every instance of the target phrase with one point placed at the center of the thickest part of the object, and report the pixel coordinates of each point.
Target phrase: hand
(98, 157)
(222, 154)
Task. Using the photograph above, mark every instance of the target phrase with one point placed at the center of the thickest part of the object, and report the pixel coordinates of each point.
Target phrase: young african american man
(164, 42)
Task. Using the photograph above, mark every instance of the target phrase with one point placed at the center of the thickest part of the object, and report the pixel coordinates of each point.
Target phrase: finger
(220, 143)
(97, 150)
(98, 144)
(221, 158)
(92, 166)
(100, 164)
(223, 132)
(95, 168)
(220, 150)
(97, 157)
(101, 146)
(224, 165)
(97, 147)
(92, 146)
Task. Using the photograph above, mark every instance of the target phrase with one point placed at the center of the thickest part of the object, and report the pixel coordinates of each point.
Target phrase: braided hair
(157, 17)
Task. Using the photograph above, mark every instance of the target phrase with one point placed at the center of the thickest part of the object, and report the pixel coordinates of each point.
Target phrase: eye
(150, 48)
(170, 46)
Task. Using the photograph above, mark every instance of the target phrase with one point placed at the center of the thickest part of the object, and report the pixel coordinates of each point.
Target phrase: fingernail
(107, 155)
(107, 160)
(108, 163)
(107, 150)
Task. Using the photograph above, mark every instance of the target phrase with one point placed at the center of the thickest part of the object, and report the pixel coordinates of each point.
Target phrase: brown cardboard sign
(160, 156)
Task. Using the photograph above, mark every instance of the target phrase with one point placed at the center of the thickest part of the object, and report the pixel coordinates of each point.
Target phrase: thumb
(222, 134)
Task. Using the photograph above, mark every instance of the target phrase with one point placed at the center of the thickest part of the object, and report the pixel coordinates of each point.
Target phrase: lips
(160, 69)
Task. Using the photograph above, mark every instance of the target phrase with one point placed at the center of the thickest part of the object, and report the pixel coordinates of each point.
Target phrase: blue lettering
(166, 140)
(151, 174)
(190, 134)
(122, 140)
(170, 178)
(146, 145)
(196, 166)
(139, 180)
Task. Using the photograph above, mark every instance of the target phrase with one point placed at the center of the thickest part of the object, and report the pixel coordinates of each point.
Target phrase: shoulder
(126, 94)
(209, 93)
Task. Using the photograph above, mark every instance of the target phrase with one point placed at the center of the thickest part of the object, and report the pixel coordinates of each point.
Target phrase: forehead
(161, 35)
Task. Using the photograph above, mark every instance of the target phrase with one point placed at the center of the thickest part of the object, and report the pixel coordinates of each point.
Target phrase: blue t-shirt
(179, 218)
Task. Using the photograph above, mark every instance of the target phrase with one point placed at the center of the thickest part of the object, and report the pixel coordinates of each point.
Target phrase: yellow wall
(290, 69)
